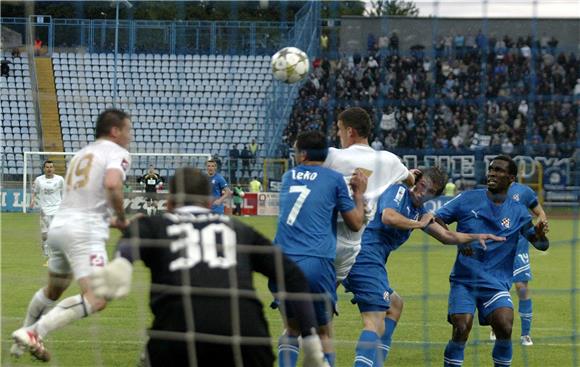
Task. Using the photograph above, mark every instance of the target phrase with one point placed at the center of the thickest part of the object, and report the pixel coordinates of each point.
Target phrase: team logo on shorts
(125, 164)
(505, 222)
(97, 260)
(386, 296)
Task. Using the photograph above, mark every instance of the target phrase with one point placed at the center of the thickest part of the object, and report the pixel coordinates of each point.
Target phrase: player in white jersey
(47, 193)
(382, 169)
(79, 230)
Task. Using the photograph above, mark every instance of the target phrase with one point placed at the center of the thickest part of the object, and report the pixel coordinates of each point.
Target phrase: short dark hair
(314, 144)
(46, 162)
(512, 166)
(189, 186)
(108, 119)
(357, 119)
(437, 176)
(211, 160)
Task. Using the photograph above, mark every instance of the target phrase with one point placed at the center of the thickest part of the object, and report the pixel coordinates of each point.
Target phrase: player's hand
(358, 182)
(542, 229)
(417, 173)
(313, 355)
(114, 280)
(488, 237)
(119, 223)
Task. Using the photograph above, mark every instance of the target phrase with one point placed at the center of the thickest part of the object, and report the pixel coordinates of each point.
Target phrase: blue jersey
(218, 184)
(310, 198)
(379, 239)
(474, 212)
(523, 194)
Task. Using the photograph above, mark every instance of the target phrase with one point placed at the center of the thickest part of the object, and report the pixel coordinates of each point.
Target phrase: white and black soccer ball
(290, 65)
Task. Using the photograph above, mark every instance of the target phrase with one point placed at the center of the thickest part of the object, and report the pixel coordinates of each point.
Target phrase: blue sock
(453, 356)
(366, 349)
(330, 358)
(288, 350)
(502, 353)
(385, 342)
(525, 311)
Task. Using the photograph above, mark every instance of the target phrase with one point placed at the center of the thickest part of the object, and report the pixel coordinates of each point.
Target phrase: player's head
(189, 186)
(48, 168)
(430, 184)
(151, 169)
(501, 173)
(354, 126)
(115, 125)
(311, 146)
(211, 166)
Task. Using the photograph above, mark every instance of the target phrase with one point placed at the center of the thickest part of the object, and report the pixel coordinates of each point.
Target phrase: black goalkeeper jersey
(199, 257)
(151, 181)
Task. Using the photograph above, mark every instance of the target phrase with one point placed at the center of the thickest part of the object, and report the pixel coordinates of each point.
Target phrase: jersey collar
(192, 209)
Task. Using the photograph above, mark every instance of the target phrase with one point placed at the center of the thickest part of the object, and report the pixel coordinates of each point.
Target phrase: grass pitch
(419, 271)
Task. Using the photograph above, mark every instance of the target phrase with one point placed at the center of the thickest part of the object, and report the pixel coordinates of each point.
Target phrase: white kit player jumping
(382, 169)
(78, 233)
(47, 191)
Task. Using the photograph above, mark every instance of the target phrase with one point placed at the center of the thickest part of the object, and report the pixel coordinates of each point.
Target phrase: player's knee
(53, 293)
(522, 290)
(97, 304)
(461, 330)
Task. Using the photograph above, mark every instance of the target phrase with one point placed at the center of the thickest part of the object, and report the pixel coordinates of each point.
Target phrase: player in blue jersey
(483, 280)
(219, 187)
(522, 268)
(310, 200)
(399, 211)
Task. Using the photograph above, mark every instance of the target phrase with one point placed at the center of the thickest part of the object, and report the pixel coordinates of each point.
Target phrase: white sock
(38, 306)
(68, 310)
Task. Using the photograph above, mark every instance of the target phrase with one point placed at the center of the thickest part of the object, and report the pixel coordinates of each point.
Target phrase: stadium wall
(354, 30)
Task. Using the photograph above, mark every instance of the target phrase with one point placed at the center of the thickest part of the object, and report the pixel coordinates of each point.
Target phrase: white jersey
(85, 196)
(382, 169)
(48, 193)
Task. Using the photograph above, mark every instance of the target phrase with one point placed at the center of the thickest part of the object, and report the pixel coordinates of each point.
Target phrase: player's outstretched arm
(355, 218)
(393, 218)
(542, 217)
(447, 237)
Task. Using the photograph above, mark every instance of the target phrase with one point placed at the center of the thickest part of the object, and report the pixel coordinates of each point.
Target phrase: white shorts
(346, 252)
(77, 248)
(45, 222)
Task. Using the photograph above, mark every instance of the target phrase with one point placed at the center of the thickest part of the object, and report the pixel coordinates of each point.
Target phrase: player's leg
(393, 316)
(366, 352)
(501, 321)
(525, 311)
(461, 308)
(325, 334)
(288, 344)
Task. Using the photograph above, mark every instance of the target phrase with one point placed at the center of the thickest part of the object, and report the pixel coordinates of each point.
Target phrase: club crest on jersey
(125, 164)
(400, 194)
(505, 222)
(516, 197)
(97, 260)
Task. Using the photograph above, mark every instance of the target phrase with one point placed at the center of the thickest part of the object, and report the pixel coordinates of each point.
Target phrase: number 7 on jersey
(304, 192)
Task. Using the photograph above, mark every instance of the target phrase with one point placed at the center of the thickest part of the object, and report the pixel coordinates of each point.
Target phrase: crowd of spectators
(468, 92)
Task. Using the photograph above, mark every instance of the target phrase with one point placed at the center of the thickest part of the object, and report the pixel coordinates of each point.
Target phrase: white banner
(268, 203)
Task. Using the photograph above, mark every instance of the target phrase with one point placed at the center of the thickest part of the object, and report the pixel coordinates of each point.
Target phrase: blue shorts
(465, 299)
(369, 283)
(218, 209)
(321, 278)
(522, 269)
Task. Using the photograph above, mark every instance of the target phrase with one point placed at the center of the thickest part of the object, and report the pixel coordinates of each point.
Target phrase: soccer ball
(290, 65)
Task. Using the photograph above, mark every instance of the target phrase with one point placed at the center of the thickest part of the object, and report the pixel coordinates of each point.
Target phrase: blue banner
(12, 200)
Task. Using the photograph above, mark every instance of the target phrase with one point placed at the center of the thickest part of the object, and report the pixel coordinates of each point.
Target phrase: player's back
(310, 198)
(196, 249)
(474, 212)
(382, 169)
(84, 193)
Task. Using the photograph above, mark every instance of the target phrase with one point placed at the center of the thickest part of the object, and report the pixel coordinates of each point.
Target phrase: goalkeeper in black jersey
(152, 182)
(202, 294)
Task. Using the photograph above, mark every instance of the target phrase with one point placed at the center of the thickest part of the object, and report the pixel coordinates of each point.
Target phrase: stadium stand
(18, 123)
(510, 94)
(179, 103)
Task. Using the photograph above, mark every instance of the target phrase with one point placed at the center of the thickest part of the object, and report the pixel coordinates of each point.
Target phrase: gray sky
(500, 8)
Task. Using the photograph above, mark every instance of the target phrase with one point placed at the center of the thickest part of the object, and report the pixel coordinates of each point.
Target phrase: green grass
(418, 271)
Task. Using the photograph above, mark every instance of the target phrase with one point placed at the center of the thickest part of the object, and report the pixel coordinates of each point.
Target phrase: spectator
(5, 68)
(254, 150)
(37, 46)
(238, 199)
(255, 185)
(377, 144)
(234, 155)
(246, 156)
(15, 52)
